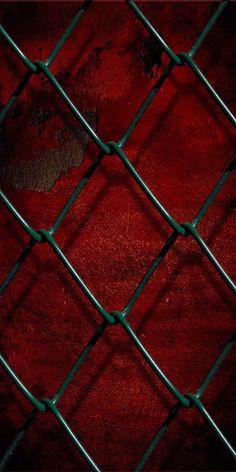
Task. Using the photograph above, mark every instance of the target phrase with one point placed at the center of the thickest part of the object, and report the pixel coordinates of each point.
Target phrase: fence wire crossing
(182, 400)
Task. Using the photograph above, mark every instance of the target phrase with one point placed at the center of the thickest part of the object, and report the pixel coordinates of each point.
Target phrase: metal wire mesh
(179, 230)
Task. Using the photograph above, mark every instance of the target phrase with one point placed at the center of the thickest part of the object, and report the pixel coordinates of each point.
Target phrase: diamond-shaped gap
(112, 234)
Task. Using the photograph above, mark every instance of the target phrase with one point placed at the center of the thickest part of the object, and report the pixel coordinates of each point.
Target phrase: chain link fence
(179, 230)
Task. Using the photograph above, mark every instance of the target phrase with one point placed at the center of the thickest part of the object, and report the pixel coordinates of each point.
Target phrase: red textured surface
(111, 235)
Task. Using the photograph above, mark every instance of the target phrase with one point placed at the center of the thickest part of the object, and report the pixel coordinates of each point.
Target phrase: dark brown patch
(151, 57)
(42, 173)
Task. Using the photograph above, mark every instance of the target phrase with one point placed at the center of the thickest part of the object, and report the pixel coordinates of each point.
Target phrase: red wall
(111, 235)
